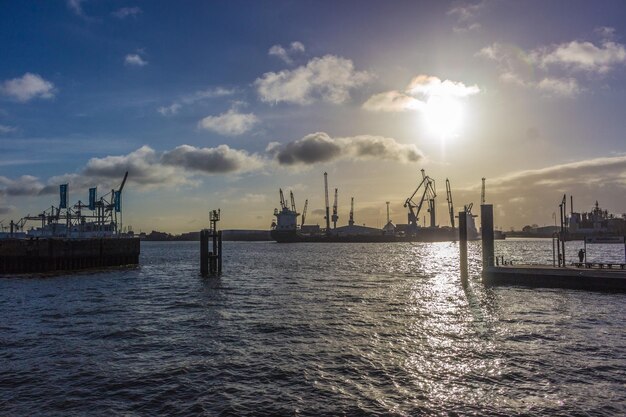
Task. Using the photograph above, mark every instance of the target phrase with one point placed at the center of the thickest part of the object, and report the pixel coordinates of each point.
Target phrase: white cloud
(583, 56)
(193, 98)
(125, 12)
(555, 65)
(231, 123)
(286, 54)
(417, 93)
(329, 78)
(24, 185)
(320, 147)
(562, 87)
(7, 129)
(602, 179)
(466, 15)
(169, 110)
(135, 60)
(28, 87)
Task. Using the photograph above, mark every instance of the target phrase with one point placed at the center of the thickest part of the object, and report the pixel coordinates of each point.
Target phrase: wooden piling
(486, 227)
(204, 252)
(463, 246)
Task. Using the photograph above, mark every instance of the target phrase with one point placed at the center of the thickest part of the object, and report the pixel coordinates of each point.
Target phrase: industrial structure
(422, 200)
(70, 237)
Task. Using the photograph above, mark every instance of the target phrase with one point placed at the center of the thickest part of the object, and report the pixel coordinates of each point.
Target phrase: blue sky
(218, 104)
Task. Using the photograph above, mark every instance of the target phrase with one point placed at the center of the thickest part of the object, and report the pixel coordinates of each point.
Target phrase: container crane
(335, 216)
(450, 205)
(351, 220)
(327, 207)
(428, 194)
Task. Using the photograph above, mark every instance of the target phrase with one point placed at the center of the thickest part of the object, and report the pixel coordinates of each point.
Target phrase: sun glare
(443, 116)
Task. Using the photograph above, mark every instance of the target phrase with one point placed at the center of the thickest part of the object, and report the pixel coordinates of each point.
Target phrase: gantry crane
(429, 195)
(450, 205)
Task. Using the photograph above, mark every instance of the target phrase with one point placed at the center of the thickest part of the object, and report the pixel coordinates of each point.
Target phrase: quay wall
(60, 254)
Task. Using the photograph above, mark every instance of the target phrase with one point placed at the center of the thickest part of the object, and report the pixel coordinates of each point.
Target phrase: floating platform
(22, 256)
(594, 279)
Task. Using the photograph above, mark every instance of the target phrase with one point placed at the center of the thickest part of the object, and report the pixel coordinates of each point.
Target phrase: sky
(219, 104)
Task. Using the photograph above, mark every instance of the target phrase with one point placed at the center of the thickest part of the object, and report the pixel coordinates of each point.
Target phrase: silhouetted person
(581, 255)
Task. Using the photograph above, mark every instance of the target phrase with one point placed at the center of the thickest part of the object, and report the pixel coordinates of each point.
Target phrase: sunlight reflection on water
(310, 329)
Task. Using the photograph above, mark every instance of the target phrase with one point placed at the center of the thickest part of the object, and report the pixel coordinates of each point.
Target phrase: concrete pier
(19, 256)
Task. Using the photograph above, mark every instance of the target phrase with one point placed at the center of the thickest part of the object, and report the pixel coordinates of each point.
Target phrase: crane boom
(449, 199)
(283, 205)
(293, 201)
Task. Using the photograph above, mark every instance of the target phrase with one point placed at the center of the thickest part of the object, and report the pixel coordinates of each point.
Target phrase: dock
(20, 256)
(594, 279)
(592, 276)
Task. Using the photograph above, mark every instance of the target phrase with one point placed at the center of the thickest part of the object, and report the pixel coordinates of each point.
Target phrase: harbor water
(311, 329)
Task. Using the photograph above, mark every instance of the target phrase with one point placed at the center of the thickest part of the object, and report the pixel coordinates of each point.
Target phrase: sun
(443, 116)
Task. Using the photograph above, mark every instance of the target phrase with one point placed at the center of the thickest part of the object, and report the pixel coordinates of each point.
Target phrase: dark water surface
(310, 329)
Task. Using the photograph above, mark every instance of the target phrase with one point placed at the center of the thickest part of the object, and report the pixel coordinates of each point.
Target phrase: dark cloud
(320, 147)
(219, 160)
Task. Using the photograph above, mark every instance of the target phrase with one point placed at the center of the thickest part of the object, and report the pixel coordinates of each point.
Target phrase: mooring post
(486, 227)
(204, 252)
(463, 246)
(219, 252)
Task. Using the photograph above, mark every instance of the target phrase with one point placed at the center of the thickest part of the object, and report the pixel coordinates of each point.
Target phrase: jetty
(20, 256)
(596, 276)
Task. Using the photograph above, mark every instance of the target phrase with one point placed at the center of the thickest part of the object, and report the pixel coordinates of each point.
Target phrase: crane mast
(327, 207)
(306, 204)
(351, 220)
(293, 201)
(450, 205)
(335, 216)
(283, 204)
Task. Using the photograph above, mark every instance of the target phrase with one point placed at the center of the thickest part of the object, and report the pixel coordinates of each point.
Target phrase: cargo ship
(70, 238)
(285, 229)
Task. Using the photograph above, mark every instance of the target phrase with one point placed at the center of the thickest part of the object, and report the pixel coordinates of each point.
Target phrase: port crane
(306, 204)
(449, 200)
(283, 204)
(351, 220)
(428, 195)
(327, 207)
(335, 216)
(293, 201)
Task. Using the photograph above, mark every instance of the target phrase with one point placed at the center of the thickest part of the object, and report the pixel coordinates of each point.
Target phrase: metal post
(486, 227)
(463, 246)
(204, 252)
(219, 251)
